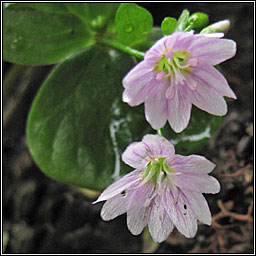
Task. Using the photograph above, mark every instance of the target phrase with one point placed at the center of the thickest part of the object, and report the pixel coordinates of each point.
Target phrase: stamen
(191, 83)
(192, 62)
(170, 92)
(168, 54)
(159, 76)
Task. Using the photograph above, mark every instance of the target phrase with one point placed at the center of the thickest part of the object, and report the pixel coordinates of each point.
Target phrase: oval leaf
(132, 23)
(168, 25)
(201, 127)
(36, 38)
(78, 126)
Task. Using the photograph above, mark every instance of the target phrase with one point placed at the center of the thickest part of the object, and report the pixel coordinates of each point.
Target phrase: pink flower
(164, 191)
(178, 71)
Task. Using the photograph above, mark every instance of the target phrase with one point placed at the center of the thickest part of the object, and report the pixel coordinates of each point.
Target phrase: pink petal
(180, 213)
(156, 50)
(179, 111)
(202, 183)
(137, 215)
(120, 185)
(179, 40)
(136, 155)
(114, 207)
(207, 99)
(160, 225)
(158, 145)
(213, 51)
(199, 206)
(138, 83)
(156, 108)
(212, 78)
(193, 164)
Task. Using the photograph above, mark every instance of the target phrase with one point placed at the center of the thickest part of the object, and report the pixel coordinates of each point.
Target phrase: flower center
(157, 170)
(175, 66)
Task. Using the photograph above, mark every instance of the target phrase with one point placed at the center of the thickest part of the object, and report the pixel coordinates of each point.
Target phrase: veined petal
(136, 155)
(158, 146)
(213, 51)
(193, 164)
(137, 214)
(212, 78)
(156, 50)
(207, 99)
(156, 108)
(202, 183)
(179, 111)
(159, 224)
(138, 84)
(120, 185)
(180, 213)
(199, 206)
(114, 207)
(141, 69)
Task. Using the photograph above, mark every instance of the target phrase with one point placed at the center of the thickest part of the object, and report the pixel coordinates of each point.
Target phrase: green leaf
(57, 8)
(200, 129)
(182, 21)
(78, 126)
(37, 38)
(96, 15)
(168, 25)
(132, 23)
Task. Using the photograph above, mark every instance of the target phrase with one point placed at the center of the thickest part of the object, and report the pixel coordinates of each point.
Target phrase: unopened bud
(221, 26)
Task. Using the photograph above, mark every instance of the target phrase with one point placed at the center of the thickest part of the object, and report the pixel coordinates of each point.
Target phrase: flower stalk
(122, 47)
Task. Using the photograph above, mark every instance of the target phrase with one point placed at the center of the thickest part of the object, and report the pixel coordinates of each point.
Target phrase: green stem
(160, 132)
(122, 47)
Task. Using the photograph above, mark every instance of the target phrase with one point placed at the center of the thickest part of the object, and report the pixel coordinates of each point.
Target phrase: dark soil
(44, 216)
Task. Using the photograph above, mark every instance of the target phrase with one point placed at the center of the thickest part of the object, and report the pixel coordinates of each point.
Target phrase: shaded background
(44, 216)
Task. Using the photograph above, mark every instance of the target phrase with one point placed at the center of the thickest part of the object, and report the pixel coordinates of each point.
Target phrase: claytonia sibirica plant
(164, 191)
(80, 123)
(178, 71)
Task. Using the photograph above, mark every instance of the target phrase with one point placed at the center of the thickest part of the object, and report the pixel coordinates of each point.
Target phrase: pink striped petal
(213, 51)
(138, 83)
(202, 183)
(199, 206)
(158, 146)
(136, 155)
(159, 223)
(180, 213)
(114, 207)
(179, 111)
(137, 215)
(120, 185)
(207, 99)
(212, 78)
(156, 108)
(193, 164)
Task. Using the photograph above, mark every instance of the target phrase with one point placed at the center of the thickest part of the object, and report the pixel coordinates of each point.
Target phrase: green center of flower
(175, 66)
(155, 167)
(173, 63)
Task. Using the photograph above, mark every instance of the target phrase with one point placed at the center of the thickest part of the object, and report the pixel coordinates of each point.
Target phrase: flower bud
(221, 26)
(197, 20)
